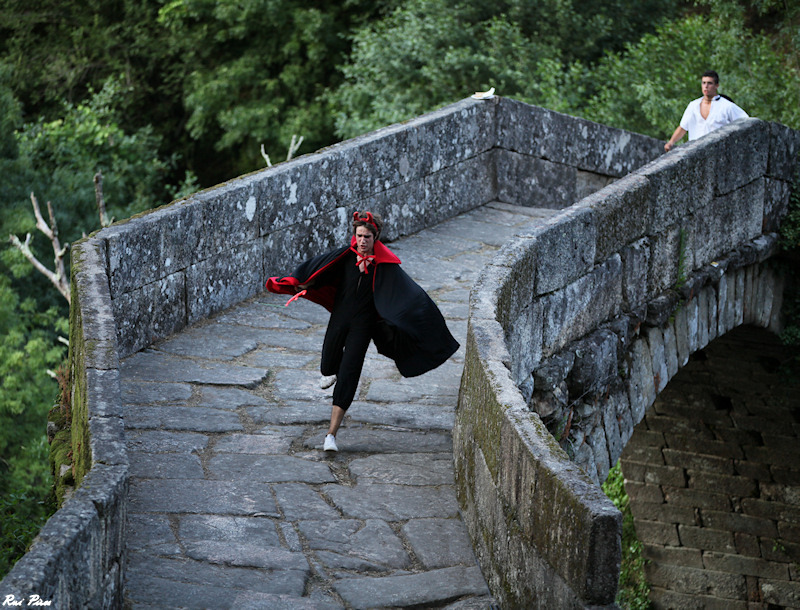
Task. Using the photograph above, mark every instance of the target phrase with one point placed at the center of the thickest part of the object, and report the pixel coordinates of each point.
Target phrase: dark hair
(712, 74)
(367, 219)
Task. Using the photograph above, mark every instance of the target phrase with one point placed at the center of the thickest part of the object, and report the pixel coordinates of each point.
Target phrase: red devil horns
(366, 219)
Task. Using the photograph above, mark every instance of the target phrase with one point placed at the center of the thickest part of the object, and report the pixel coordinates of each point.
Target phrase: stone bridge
(643, 272)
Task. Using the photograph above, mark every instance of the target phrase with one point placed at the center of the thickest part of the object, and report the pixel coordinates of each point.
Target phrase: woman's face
(365, 241)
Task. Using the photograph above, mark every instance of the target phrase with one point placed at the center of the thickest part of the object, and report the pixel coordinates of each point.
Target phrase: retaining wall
(148, 277)
(583, 322)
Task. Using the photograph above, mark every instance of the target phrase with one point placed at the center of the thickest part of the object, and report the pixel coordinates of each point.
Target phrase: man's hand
(676, 136)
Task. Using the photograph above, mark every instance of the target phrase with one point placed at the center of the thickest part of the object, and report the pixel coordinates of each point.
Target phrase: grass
(633, 588)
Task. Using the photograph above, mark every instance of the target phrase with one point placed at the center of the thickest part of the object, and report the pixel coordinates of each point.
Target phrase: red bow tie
(362, 262)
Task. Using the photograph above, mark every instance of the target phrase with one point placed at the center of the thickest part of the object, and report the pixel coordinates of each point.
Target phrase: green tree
(646, 87)
(257, 70)
(430, 52)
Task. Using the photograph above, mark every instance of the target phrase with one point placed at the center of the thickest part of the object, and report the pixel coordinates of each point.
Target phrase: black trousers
(343, 354)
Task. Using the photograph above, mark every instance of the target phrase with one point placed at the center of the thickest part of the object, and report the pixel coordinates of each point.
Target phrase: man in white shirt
(707, 113)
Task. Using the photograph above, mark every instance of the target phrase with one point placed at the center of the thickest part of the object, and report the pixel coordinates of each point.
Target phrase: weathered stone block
(743, 156)
(524, 338)
(777, 194)
(456, 189)
(108, 441)
(564, 249)
(635, 268)
(602, 459)
(151, 312)
(91, 297)
(587, 183)
(572, 312)
(652, 532)
(641, 387)
(737, 564)
(680, 182)
(220, 282)
(595, 364)
(550, 373)
(728, 221)
(621, 214)
(681, 326)
(669, 256)
(534, 182)
(562, 139)
(381, 160)
(706, 538)
(655, 340)
(403, 209)
(736, 522)
(784, 146)
(283, 250)
(781, 593)
(153, 246)
(661, 309)
(688, 558)
(104, 397)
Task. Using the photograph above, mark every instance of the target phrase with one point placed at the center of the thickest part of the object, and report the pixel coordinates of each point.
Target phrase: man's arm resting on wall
(676, 136)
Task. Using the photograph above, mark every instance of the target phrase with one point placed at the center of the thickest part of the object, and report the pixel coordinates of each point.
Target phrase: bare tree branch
(59, 281)
(58, 277)
(293, 146)
(101, 202)
(266, 156)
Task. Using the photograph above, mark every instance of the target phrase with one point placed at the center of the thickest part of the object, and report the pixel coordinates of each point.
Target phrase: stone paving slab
(191, 496)
(164, 367)
(405, 469)
(393, 502)
(361, 440)
(151, 393)
(267, 469)
(424, 589)
(165, 466)
(232, 503)
(425, 417)
(199, 419)
(227, 529)
(161, 441)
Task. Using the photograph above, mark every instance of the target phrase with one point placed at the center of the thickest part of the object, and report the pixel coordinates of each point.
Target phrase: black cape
(412, 330)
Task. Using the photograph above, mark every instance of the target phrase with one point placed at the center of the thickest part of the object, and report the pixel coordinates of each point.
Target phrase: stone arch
(592, 393)
(712, 472)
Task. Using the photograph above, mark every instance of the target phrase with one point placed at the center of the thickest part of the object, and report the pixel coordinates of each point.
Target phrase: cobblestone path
(232, 502)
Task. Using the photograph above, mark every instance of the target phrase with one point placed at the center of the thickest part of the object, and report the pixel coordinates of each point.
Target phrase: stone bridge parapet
(580, 325)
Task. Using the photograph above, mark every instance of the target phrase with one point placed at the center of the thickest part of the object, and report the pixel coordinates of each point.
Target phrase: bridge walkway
(232, 502)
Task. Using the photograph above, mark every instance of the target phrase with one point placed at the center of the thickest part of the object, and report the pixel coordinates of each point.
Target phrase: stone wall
(712, 473)
(148, 277)
(581, 324)
(77, 560)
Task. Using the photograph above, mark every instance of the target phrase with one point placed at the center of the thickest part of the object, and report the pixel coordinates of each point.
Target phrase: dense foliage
(165, 96)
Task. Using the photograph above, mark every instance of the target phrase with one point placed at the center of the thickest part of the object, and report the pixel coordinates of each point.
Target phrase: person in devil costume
(370, 298)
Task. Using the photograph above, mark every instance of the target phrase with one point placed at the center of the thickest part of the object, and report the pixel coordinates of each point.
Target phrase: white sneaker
(326, 382)
(330, 443)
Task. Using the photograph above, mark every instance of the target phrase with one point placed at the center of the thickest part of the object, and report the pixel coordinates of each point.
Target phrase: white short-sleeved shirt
(721, 113)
